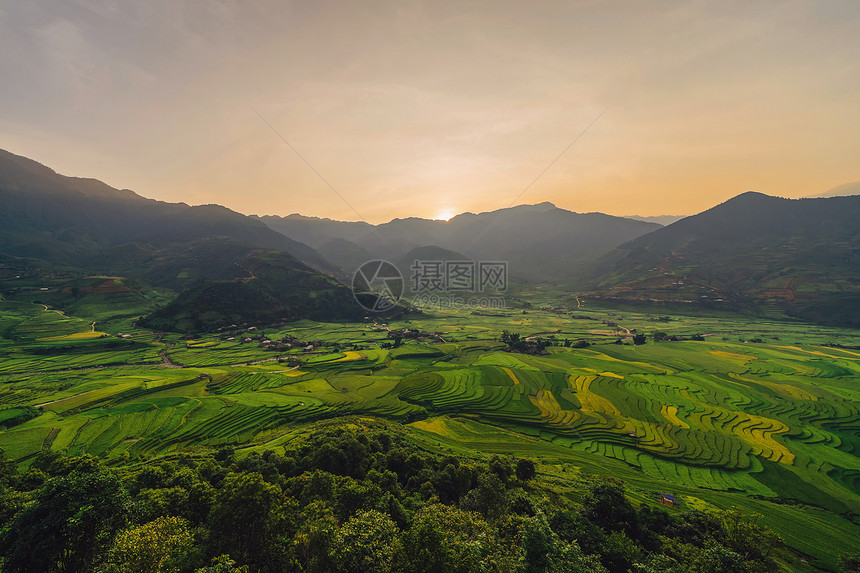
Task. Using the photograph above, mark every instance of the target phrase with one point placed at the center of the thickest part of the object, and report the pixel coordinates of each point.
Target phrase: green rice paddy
(772, 426)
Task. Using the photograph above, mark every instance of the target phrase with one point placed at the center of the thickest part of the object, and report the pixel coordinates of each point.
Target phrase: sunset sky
(419, 108)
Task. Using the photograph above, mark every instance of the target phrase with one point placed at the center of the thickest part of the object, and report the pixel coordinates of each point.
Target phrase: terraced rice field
(775, 421)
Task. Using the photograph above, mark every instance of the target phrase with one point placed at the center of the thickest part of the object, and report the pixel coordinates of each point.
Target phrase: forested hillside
(354, 497)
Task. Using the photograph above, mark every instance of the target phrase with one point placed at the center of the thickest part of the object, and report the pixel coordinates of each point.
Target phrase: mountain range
(51, 224)
(844, 190)
(800, 256)
(659, 219)
(753, 252)
(539, 242)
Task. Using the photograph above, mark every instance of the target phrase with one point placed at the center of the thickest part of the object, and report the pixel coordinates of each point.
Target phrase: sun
(445, 214)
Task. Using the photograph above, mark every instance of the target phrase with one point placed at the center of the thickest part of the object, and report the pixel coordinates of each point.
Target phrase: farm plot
(707, 414)
(717, 414)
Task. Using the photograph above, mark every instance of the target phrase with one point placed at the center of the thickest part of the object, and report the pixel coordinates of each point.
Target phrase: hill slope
(70, 220)
(237, 268)
(275, 288)
(797, 255)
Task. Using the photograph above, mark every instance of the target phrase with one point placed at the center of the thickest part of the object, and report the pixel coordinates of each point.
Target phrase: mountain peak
(545, 205)
(21, 174)
(747, 195)
(537, 207)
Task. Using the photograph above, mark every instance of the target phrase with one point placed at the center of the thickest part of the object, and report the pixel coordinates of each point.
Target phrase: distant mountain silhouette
(429, 253)
(659, 219)
(753, 251)
(49, 216)
(344, 254)
(55, 222)
(540, 242)
(315, 230)
(841, 191)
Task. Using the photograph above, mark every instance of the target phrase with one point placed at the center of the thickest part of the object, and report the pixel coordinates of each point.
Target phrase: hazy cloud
(411, 107)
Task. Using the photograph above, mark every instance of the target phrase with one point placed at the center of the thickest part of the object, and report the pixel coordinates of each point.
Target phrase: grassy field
(758, 414)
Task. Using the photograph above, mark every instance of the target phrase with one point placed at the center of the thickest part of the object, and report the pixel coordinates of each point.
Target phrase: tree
(223, 564)
(243, 517)
(8, 469)
(619, 552)
(445, 539)
(489, 497)
(639, 339)
(352, 496)
(502, 466)
(753, 542)
(161, 546)
(572, 526)
(150, 477)
(338, 453)
(544, 552)
(715, 558)
(315, 538)
(72, 519)
(512, 339)
(659, 564)
(607, 506)
(454, 480)
(58, 465)
(153, 503)
(525, 470)
(366, 543)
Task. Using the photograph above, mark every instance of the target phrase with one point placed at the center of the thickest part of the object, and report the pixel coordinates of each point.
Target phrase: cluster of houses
(416, 334)
(249, 334)
(252, 336)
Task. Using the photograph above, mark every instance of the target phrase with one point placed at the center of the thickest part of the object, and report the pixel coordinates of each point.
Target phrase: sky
(380, 109)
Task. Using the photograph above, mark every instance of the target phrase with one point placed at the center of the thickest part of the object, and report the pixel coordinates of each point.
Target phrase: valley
(737, 412)
(709, 366)
(428, 287)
